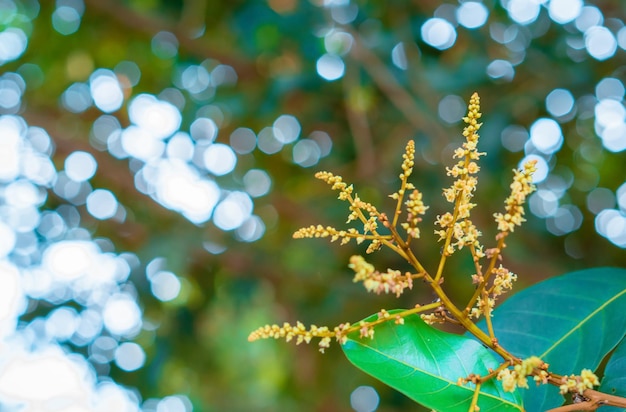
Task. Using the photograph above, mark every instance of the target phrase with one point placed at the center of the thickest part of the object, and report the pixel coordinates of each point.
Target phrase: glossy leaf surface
(614, 380)
(425, 363)
(570, 321)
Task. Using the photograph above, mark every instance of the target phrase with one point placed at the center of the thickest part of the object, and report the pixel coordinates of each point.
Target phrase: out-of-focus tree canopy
(157, 155)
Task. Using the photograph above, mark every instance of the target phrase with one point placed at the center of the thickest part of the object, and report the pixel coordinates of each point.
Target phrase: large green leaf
(614, 380)
(570, 321)
(425, 363)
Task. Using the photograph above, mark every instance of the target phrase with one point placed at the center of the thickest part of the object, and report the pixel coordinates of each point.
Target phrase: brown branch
(396, 94)
(192, 16)
(416, 70)
(152, 25)
(595, 400)
(582, 406)
(359, 127)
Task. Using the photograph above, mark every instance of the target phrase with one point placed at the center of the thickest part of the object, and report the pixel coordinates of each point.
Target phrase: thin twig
(487, 313)
(396, 94)
(359, 126)
(474, 403)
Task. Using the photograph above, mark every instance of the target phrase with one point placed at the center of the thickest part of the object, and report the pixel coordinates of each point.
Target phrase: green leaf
(425, 363)
(570, 321)
(614, 380)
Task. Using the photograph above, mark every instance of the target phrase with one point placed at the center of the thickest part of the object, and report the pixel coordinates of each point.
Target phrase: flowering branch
(457, 231)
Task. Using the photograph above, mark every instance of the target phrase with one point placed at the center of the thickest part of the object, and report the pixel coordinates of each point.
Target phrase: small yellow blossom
(445, 220)
(503, 281)
(366, 330)
(589, 378)
(483, 307)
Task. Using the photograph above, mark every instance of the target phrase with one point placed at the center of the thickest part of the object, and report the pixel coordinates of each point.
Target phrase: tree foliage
(287, 87)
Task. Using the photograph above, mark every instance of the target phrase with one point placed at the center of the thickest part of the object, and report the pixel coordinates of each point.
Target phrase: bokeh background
(157, 155)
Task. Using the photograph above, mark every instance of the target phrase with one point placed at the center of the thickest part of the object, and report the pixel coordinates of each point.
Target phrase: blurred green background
(183, 139)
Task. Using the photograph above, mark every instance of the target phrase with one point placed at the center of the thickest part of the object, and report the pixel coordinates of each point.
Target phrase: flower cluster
(520, 188)
(516, 377)
(329, 231)
(302, 334)
(457, 225)
(336, 183)
(408, 160)
(393, 281)
(456, 230)
(573, 383)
